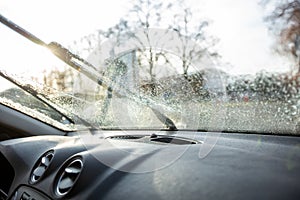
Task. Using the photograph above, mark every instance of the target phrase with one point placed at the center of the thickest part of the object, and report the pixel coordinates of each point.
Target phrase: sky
(244, 40)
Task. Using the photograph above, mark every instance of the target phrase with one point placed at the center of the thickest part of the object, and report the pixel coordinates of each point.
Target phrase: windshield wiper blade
(41, 97)
(34, 93)
(83, 67)
(164, 119)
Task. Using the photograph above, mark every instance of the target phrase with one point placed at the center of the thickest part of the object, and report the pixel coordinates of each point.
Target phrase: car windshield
(229, 65)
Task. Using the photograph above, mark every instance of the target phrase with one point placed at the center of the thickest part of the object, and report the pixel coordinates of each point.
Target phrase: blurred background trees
(285, 23)
(150, 58)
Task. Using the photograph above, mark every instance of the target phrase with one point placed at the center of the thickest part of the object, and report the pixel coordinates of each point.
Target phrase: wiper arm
(59, 51)
(83, 67)
(21, 31)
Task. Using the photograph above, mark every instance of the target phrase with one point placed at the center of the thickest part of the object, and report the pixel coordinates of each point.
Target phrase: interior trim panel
(239, 166)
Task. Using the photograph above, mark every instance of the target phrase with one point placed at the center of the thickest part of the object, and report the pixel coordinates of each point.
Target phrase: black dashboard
(148, 165)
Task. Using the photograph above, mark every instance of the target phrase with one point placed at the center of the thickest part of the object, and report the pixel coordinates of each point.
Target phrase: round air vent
(41, 166)
(68, 176)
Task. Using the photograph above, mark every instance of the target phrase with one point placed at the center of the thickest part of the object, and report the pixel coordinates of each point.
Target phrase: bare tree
(143, 16)
(177, 17)
(85, 45)
(192, 29)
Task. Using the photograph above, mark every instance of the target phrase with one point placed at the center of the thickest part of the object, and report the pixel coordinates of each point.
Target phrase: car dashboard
(150, 165)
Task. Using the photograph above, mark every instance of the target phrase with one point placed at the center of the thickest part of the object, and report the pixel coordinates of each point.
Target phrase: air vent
(41, 166)
(126, 137)
(68, 176)
(174, 140)
(157, 139)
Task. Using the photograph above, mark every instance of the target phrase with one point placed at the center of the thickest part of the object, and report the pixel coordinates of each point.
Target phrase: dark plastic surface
(27, 193)
(240, 166)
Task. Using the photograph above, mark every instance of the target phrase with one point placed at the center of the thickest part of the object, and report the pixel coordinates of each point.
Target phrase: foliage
(265, 86)
(285, 22)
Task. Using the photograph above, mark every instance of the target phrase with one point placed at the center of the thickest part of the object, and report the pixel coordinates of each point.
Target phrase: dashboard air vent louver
(41, 166)
(68, 176)
(156, 139)
(126, 137)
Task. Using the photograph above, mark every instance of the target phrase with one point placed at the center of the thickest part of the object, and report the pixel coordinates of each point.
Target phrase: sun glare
(244, 42)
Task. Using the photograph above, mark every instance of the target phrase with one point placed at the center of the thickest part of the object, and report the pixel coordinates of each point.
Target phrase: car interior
(174, 135)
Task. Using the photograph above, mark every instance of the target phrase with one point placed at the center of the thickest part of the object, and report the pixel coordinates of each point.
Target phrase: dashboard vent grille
(68, 177)
(41, 166)
(174, 140)
(126, 137)
(157, 139)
